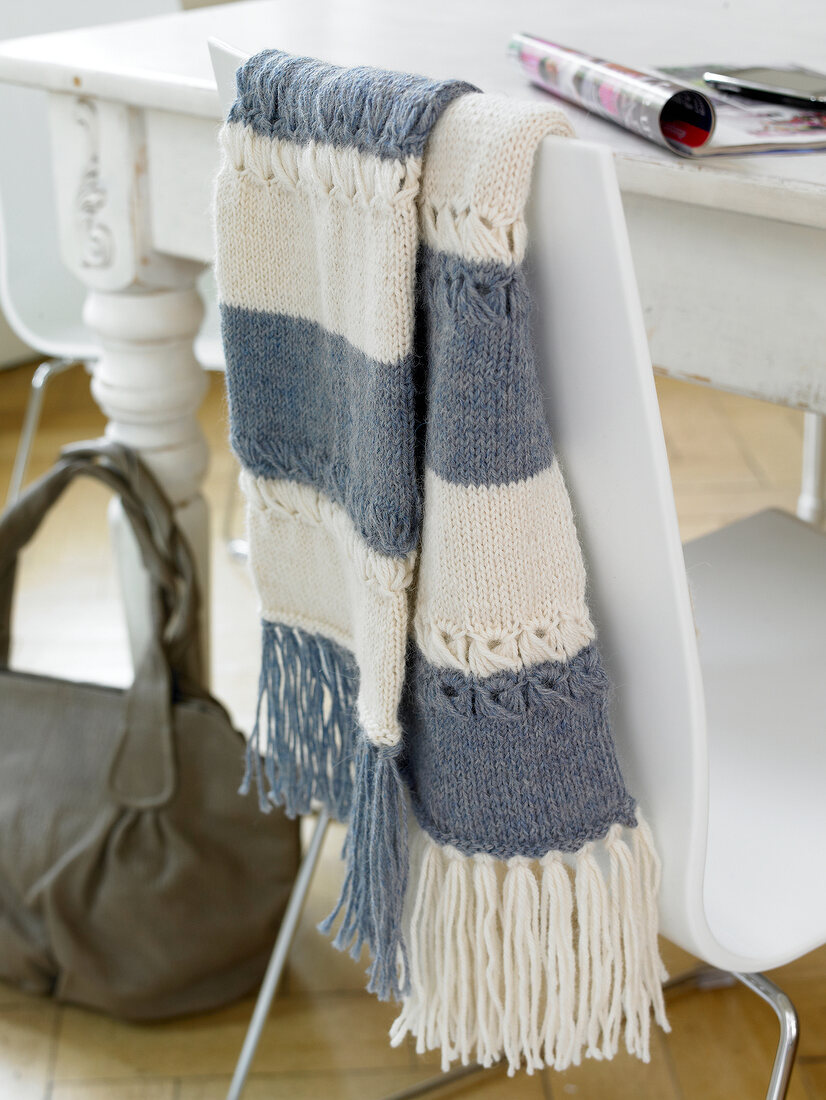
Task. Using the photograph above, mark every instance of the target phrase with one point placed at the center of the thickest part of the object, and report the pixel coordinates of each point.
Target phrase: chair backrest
(225, 62)
(604, 415)
(41, 299)
(603, 410)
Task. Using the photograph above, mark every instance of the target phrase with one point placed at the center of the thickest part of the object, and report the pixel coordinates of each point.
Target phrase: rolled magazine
(672, 107)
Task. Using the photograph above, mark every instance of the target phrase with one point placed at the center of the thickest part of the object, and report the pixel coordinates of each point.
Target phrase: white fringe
(536, 962)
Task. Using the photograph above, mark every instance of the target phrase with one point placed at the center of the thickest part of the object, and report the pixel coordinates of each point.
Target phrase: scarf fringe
(304, 726)
(536, 962)
(371, 905)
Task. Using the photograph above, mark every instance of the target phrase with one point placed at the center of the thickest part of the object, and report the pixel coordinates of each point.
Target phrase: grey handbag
(133, 878)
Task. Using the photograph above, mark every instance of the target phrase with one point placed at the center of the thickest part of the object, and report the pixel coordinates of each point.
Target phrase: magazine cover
(673, 107)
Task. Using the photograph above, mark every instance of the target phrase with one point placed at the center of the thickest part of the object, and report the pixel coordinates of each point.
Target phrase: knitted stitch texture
(385, 406)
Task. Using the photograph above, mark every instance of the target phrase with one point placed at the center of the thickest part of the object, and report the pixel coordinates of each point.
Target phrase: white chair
(42, 301)
(720, 713)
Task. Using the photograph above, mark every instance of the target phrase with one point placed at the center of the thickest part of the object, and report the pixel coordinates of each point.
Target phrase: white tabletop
(162, 63)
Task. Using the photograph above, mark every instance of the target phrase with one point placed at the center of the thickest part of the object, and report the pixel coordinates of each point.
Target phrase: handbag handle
(143, 770)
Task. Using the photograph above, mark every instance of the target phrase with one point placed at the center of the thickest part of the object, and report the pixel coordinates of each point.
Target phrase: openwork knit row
(510, 694)
(298, 98)
(481, 653)
(341, 175)
(481, 159)
(486, 291)
(474, 233)
(289, 500)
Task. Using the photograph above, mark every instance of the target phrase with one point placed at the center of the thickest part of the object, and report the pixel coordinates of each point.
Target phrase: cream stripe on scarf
(501, 580)
(313, 230)
(325, 579)
(477, 175)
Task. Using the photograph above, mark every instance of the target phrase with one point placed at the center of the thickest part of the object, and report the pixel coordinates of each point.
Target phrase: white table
(729, 253)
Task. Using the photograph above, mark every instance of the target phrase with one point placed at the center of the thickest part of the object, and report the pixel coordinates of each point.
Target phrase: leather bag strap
(143, 771)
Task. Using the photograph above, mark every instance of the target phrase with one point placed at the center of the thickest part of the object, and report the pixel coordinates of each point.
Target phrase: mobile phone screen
(791, 80)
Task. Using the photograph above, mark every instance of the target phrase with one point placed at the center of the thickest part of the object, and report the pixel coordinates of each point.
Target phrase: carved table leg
(149, 384)
(144, 309)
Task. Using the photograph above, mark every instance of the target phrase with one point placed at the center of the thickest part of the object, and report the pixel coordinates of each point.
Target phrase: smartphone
(798, 87)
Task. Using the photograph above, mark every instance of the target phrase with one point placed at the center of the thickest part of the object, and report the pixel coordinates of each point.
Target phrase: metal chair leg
(709, 977)
(40, 379)
(275, 968)
(789, 1031)
(810, 506)
(238, 549)
(701, 977)
(442, 1081)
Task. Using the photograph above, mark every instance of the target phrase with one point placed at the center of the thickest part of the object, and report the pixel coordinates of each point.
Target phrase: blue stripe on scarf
(300, 99)
(485, 419)
(518, 763)
(307, 405)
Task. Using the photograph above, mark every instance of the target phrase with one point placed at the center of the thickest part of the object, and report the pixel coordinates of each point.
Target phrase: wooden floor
(327, 1038)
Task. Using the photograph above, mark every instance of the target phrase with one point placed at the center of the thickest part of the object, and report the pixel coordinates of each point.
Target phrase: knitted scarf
(429, 670)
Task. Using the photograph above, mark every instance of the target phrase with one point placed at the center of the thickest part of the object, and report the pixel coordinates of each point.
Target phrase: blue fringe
(372, 897)
(305, 724)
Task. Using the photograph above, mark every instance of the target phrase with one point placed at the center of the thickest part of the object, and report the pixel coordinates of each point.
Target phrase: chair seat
(759, 593)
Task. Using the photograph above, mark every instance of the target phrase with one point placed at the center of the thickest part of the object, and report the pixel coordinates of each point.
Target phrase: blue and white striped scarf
(429, 667)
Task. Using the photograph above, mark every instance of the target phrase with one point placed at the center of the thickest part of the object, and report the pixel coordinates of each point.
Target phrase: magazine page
(750, 125)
